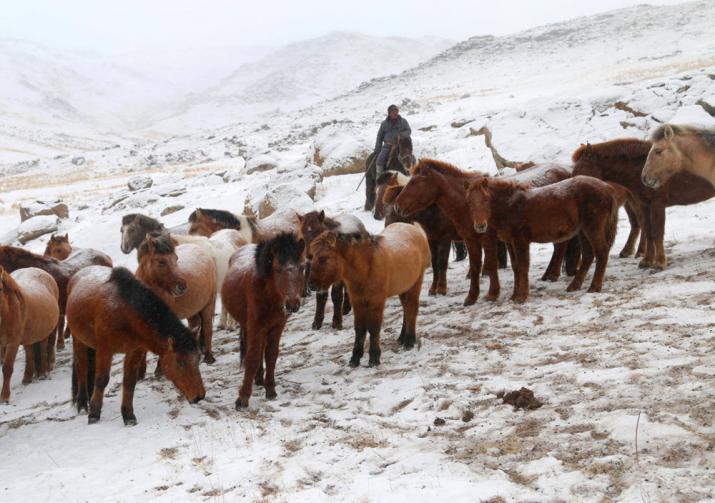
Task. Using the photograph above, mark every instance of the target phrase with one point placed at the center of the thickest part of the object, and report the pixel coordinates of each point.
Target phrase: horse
(263, 287)
(313, 224)
(109, 311)
(400, 160)
(184, 277)
(220, 246)
(374, 268)
(440, 231)
(436, 182)
(58, 247)
(680, 148)
(12, 258)
(621, 162)
(205, 221)
(29, 312)
(520, 214)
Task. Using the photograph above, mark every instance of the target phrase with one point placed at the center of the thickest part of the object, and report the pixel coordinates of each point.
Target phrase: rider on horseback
(392, 127)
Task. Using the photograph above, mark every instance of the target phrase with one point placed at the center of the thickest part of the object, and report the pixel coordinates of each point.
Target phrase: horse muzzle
(480, 228)
(650, 182)
(198, 398)
(292, 307)
(179, 290)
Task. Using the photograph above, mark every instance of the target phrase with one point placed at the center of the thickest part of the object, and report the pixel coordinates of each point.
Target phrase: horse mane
(443, 168)
(391, 193)
(163, 244)
(331, 223)
(144, 221)
(152, 309)
(707, 135)
(22, 253)
(504, 184)
(346, 239)
(385, 177)
(222, 217)
(285, 247)
(623, 148)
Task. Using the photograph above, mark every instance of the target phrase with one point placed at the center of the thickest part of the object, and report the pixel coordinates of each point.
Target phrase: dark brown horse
(12, 258)
(109, 311)
(520, 215)
(263, 287)
(58, 247)
(400, 160)
(313, 224)
(436, 182)
(621, 162)
(374, 268)
(205, 222)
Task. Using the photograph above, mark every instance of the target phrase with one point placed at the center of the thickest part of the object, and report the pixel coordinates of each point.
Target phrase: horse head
(180, 363)
(280, 261)
(58, 247)
(664, 158)
(158, 265)
(478, 200)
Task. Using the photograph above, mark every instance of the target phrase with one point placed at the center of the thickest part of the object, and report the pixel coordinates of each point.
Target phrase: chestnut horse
(440, 231)
(374, 268)
(111, 312)
(221, 245)
(58, 247)
(263, 287)
(313, 224)
(436, 182)
(680, 148)
(520, 215)
(28, 315)
(12, 258)
(184, 277)
(204, 222)
(400, 159)
(621, 162)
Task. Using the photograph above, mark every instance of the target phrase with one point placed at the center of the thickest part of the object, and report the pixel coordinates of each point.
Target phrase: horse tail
(460, 250)
(91, 356)
(242, 345)
(612, 224)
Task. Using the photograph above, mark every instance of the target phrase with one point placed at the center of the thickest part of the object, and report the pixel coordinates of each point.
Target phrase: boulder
(284, 197)
(140, 182)
(35, 227)
(171, 209)
(37, 208)
(260, 163)
(78, 161)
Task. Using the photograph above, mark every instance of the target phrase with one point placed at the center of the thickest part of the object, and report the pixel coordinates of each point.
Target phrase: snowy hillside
(633, 361)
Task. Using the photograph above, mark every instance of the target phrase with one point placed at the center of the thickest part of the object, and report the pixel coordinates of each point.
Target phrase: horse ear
(668, 132)
(321, 217)
(467, 184)
(151, 244)
(67, 236)
(331, 239)
(485, 182)
(172, 345)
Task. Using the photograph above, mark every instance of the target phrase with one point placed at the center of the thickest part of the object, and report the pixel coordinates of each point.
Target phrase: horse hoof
(354, 363)
(594, 289)
(271, 395)
(130, 421)
(209, 358)
(661, 266)
(337, 326)
(549, 277)
(316, 325)
(92, 419)
(432, 291)
(442, 291)
(242, 403)
(518, 299)
(644, 264)
(572, 288)
(469, 301)
(373, 363)
(491, 297)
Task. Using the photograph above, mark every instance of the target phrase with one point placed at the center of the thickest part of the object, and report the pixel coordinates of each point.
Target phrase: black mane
(285, 247)
(707, 135)
(222, 217)
(152, 310)
(149, 223)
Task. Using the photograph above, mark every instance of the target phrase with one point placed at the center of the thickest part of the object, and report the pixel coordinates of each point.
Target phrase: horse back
(541, 175)
(199, 271)
(41, 294)
(404, 254)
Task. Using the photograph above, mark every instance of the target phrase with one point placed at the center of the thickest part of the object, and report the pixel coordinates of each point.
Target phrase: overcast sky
(131, 25)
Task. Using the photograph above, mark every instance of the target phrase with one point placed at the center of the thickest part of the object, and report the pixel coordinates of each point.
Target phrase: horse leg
(132, 364)
(361, 316)
(374, 325)
(272, 346)
(42, 368)
(410, 307)
(223, 318)
(460, 251)
(336, 295)
(80, 374)
(434, 253)
(347, 306)
(557, 258)
(630, 245)
(600, 248)
(502, 253)
(29, 364)
(141, 371)
(648, 258)
(321, 298)
(306, 278)
(521, 271)
(491, 265)
(657, 227)
(207, 330)
(474, 248)
(60, 333)
(8, 365)
(573, 256)
(442, 265)
(253, 358)
(586, 261)
(102, 366)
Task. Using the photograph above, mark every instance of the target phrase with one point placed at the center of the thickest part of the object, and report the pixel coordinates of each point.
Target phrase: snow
(644, 345)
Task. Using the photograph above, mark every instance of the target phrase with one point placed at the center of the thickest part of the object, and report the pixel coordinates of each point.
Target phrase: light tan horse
(374, 268)
(185, 278)
(679, 148)
(31, 318)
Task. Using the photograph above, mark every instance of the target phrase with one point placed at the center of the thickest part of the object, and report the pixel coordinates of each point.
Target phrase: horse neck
(148, 337)
(623, 171)
(270, 295)
(143, 275)
(451, 197)
(22, 260)
(501, 198)
(699, 159)
(354, 261)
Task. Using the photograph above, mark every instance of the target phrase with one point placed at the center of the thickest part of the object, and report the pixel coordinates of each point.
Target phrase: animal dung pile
(521, 399)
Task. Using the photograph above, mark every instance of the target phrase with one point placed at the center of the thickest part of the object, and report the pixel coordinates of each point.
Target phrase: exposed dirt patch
(521, 399)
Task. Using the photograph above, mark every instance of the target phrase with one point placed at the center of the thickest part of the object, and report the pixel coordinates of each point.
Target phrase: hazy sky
(131, 25)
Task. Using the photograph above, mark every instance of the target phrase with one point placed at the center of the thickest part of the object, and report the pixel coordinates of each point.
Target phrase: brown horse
(680, 148)
(58, 247)
(263, 287)
(111, 312)
(435, 182)
(184, 277)
(621, 162)
(440, 231)
(520, 215)
(205, 221)
(12, 258)
(374, 268)
(29, 314)
(400, 160)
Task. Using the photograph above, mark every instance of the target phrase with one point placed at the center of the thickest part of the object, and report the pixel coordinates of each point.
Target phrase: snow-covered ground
(634, 361)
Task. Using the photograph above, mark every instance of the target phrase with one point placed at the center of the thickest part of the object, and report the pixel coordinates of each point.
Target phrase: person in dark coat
(393, 126)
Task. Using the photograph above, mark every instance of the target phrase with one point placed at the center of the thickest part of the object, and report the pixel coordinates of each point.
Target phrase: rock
(78, 161)
(171, 209)
(260, 163)
(208, 181)
(37, 208)
(140, 182)
(460, 123)
(284, 197)
(36, 226)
